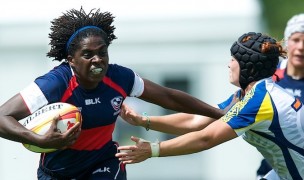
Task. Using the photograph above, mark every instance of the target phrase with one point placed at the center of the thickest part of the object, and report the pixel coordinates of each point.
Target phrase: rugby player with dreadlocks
(80, 41)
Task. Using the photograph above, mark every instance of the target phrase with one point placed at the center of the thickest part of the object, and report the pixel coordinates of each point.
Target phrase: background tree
(276, 13)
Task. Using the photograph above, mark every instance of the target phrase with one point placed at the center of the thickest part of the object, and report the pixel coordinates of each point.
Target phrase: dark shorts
(264, 168)
(107, 170)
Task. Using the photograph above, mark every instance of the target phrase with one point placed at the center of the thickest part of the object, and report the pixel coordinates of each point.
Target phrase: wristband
(154, 147)
(148, 122)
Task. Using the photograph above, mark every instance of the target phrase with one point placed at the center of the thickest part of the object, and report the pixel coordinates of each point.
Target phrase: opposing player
(267, 116)
(85, 79)
(290, 72)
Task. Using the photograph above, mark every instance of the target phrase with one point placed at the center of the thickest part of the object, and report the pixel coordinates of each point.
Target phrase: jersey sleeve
(54, 83)
(47, 88)
(33, 97)
(227, 102)
(138, 87)
(251, 112)
(224, 104)
(131, 82)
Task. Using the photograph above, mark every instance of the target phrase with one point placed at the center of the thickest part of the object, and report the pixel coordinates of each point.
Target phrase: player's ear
(70, 60)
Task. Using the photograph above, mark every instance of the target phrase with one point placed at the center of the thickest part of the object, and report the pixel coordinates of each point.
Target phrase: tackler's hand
(130, 116)
(138, 152)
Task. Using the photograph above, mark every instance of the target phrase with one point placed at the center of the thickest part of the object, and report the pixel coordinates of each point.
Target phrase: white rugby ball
(40, 121)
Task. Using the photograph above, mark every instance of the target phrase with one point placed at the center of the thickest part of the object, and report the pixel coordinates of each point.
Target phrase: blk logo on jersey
(105, 169)
(92, 101)
(116, 102)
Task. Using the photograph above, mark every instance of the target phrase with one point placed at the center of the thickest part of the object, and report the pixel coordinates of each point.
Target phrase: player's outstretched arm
(213, 135)
(178, 100)
(178, 123)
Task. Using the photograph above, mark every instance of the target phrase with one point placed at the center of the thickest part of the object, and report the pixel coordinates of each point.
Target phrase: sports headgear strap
(254, 65)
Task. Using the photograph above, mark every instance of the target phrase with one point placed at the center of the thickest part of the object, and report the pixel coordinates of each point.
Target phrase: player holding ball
(86, 80)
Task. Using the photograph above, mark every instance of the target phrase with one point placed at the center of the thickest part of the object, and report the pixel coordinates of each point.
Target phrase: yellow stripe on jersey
(266, 110)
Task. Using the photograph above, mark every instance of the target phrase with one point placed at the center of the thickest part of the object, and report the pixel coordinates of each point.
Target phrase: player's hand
(55, 139)
(130, 116)
(136, 153)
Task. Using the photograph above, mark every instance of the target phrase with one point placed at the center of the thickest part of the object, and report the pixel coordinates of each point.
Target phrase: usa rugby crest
(116, 102)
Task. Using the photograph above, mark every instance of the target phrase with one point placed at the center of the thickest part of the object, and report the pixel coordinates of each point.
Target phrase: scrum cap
(295, 24)
(254, 64)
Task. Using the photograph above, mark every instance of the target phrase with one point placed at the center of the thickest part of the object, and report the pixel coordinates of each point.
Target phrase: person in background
(266, 115)
(290, 72)
(80, 41)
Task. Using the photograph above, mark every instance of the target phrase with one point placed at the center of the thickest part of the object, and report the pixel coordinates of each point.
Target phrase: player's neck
(249, 87)
(295, 73)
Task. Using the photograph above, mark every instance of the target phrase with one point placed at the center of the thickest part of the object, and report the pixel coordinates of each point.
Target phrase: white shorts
(271, 175)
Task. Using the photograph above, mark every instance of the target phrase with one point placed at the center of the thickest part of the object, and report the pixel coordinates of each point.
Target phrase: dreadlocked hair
(66, 25)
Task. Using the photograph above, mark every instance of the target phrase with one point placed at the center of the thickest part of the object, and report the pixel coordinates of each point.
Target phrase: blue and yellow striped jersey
(271, 119)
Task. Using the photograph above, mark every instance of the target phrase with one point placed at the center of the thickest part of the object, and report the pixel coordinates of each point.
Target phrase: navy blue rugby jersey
(294, 86)
(99, 108)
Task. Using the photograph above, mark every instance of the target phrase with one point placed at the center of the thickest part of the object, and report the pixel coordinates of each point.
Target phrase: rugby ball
(40, 121)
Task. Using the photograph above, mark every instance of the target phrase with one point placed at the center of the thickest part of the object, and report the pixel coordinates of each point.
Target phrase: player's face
(90, 62)
(295, 46)
(234, 72)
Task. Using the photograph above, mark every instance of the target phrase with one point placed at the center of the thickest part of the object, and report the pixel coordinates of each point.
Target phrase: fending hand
(134, 153)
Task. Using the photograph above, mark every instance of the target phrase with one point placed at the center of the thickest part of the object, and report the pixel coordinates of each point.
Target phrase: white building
(182, 44)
